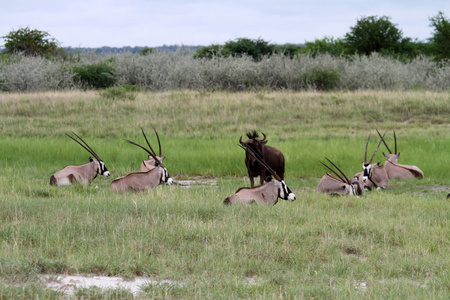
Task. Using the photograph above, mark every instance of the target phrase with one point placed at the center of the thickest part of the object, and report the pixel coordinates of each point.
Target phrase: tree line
(369, 35)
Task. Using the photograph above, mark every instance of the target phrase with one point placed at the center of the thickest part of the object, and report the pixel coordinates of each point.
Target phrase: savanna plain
(388, 244)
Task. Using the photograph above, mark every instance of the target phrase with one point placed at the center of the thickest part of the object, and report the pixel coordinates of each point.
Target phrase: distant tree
(373, 34)
(329, 45)
(289, 49)
(209, 51)
(146, 51)
(254, 48)
(440, 41)
(31, 42)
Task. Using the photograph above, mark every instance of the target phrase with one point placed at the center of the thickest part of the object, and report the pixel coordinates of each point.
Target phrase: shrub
(96, 76)
(321, 78)
(125, 92)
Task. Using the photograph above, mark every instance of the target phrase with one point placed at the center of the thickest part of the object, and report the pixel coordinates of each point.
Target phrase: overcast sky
(117, 23)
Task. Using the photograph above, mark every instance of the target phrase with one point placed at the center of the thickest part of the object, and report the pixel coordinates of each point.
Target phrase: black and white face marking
(367, 172)
(165, 178)
(102, 169)
(286, 193)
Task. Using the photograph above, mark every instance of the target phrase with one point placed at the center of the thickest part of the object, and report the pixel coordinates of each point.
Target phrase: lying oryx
(395, 170)
(140, 181)
(339, 186)
(148, 165)
(80, 173)
(267, 193)
(373, 175)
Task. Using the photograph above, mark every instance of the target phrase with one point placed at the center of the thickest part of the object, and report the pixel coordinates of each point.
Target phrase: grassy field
(388, 244)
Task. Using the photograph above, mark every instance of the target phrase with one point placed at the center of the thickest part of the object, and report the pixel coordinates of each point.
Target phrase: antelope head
(355, 186)
(154, 161)
(368, 166)
(392, 157)
(101, 168)
(284, 192)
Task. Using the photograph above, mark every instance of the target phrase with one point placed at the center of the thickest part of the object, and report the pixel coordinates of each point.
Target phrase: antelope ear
(378, 164)
(265, 142)
(268, 179)
(385, 155)
(91, 159)
(398, 154)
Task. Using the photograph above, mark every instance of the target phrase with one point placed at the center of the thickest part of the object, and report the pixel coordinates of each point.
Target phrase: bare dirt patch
(68, 284)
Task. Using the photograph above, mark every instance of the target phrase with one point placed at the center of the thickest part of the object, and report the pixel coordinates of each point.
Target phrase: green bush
(96, 76)
(321, 78)
(124, 92)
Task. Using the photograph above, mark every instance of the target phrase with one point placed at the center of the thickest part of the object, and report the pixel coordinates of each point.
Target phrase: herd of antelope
(261, 160)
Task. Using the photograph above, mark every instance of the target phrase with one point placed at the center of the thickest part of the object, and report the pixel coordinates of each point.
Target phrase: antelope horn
(159, 142)
(348, 181)
(365, 153)
(377, 147)
(87, 148)
(333, 171)
(384, 142)
(153, 151)
(261, 161)
(149, 152)
(395, 141)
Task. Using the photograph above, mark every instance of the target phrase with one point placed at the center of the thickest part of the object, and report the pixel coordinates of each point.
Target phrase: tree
(373, 34)
(440, 41)
(329, 45)
(254, 48)
(31, 42)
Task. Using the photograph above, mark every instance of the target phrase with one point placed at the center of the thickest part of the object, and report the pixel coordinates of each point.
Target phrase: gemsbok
(374, 175)
(83, 174)
(271, 155)
(149, 164)
(395, 170)
(340, 185)
(141, 181)
(268, 193)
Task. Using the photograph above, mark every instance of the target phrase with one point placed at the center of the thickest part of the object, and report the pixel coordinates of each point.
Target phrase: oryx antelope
(141, 181)
(83, 174)
(149, 164)
(271, 155)
(267, 193)
(395, 170)
(373, 174)
(340, 185)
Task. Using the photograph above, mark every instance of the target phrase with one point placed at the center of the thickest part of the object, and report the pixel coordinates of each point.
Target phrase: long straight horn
(382, 138)
(365, 152)
(261, 161)
(348, 181)
(133, 143)
(151, 149)
(384, 142)
(395, 141)
(159, 143)
(333, 171)
(87, 148)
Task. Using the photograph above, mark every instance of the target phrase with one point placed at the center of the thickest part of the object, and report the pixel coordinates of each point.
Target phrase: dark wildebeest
(271, 155)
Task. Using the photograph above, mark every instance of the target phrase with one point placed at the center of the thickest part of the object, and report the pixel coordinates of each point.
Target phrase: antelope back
(379, 176)
(397, 171)
(330, 185)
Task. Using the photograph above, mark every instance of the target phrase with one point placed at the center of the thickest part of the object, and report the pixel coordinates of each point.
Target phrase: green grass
(387, 244)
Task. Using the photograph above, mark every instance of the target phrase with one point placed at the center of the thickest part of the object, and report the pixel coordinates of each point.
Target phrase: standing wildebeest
(267, 193)
(393, 169)
(83, 174)
(271, 155)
